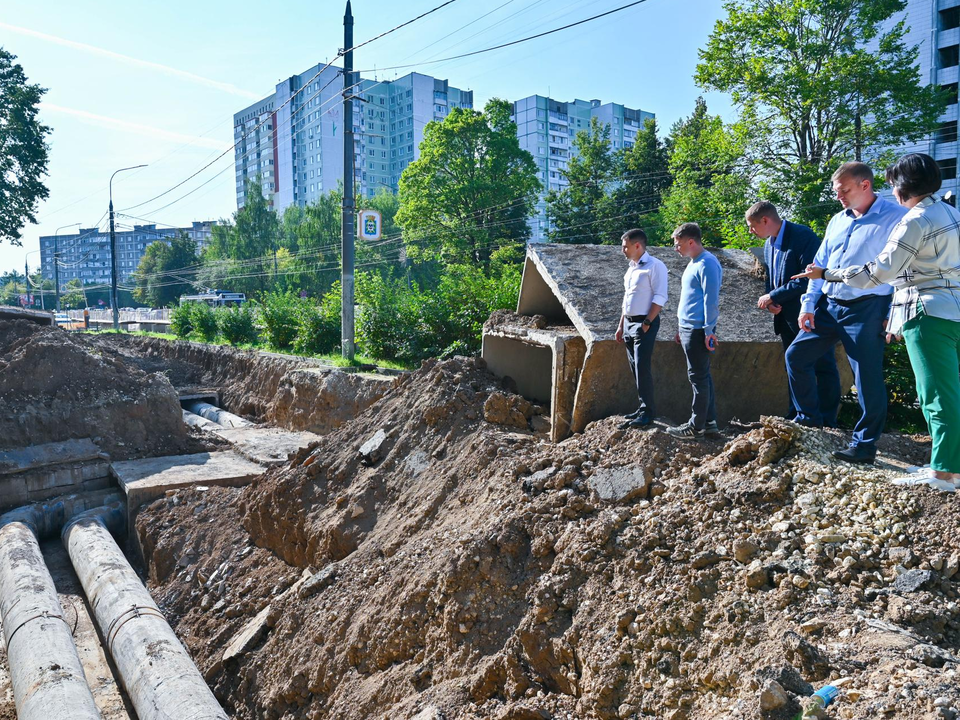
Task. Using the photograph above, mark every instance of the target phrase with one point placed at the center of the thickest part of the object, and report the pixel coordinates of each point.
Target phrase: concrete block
(27, 458)
(150, 478)
(620, 484)
(266, 446)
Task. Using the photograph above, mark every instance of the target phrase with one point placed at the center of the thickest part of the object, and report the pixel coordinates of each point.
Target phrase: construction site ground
(432, 556)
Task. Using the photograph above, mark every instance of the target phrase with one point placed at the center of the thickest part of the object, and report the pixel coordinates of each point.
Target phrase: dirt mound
(56, 386)
(421, 562)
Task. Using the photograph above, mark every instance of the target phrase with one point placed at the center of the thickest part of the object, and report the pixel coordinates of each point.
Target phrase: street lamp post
(113, 254)
(56, 261)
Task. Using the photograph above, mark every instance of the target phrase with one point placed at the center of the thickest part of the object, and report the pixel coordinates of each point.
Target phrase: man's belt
(636, 318)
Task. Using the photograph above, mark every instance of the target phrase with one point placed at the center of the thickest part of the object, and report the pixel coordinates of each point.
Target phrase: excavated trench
(86, 421)
(330, 546)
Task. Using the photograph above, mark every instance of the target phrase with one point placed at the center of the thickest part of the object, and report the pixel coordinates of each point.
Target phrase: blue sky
(133, 83)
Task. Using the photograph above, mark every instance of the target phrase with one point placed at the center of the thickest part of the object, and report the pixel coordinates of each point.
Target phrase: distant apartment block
(293, 138)
(85, 255)
(934, 26)
(546, 129)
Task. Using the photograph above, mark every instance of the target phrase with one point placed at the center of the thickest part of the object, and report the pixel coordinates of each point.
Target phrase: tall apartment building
(293, 138)
(85, 256)
(934, 26)
(546, 129)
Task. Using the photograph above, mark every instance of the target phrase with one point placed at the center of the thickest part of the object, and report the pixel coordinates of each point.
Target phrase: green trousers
(933, 345)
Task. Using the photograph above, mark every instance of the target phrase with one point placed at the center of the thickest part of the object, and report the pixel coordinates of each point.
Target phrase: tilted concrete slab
(150, 478)
(41, 317)
(582, 286)
(266, 446)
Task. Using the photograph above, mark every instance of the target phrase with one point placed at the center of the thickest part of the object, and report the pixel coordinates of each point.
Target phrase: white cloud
(135, 128)
(166, 69)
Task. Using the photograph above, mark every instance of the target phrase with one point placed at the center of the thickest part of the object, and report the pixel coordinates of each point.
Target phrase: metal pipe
(215, 414)
(160, 678)
(45, 669)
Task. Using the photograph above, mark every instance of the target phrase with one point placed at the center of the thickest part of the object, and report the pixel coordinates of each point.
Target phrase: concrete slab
(150, 478)
(42, 317)
(266, 446)
(18, 460)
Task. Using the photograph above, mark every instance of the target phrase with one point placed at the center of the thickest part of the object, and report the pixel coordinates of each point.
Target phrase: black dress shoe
(856, 454)
(638, 422)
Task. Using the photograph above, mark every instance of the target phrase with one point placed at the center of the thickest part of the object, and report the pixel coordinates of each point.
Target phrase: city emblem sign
(371, 225)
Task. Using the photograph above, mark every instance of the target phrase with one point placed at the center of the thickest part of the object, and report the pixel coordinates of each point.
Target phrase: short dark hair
(690, 231)
(914, 175)
(763, 208)
(855, 169)
(636, 235)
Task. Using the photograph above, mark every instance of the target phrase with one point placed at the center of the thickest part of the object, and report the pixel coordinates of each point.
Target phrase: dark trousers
(860, 328)
(828, 379)
(698, 370)
(639, 346)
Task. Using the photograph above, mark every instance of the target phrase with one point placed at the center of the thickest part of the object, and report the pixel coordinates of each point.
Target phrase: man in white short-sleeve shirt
(644, 295)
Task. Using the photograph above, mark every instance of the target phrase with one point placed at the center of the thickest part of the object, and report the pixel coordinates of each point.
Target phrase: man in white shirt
(644, 295)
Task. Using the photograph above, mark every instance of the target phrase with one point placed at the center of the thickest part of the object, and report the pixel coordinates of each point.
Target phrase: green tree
(74, 298)
(646, 168)
(711, 179)
(584, 212)
(471, 189)
(241, 254)
(156, 274)
(23, 150)
(802, 72)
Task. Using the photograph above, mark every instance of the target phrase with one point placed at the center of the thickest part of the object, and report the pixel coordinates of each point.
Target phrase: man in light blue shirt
(832, 312)
(697, 314)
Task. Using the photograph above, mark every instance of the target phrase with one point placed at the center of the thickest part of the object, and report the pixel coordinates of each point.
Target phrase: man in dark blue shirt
(787, 247)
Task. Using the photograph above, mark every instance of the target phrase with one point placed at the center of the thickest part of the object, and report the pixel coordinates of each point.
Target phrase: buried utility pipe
(159, 676)
(215, 414)
(45, 669)
(194, 420)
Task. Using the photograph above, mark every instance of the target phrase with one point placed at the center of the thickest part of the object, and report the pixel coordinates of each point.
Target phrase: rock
(620, 484)
(249, 636)
(805, 655)
(912, 580)
(755, 576)
(788, 678)
(372, 451)
(431, 712)
(772, 696)
(901, 555)
(540, 424)
(318, 582)
(743, 550)
(704, 559)
(510, 410)
(952, 566)
(523, 712)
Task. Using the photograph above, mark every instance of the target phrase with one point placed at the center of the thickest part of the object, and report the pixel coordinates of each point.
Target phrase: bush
(203, 320)
(278, 319)
(236, 324)
(181, 321)
(388, 323)
(318, 329)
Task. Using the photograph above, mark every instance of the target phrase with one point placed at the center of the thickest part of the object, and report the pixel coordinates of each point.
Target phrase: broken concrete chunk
(249, 637)
(319, 581)
(373, 450)
(772, 696)
(912, 580)
(620, 484)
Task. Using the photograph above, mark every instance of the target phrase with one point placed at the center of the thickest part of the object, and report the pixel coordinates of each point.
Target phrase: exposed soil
(455, 568)
(281, 390)
(55, 386)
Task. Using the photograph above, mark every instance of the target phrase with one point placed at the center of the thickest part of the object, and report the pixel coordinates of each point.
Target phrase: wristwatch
(648, 323)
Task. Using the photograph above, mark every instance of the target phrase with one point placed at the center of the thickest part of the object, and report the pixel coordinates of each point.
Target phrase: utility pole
(856, 130)
(349, 211)
(113, 255)
(26, 283)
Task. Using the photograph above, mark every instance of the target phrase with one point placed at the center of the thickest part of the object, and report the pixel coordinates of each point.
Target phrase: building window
(951, 90)
(950, 18)
(950, 56)
(947, 131)
(948, 168)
